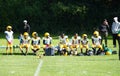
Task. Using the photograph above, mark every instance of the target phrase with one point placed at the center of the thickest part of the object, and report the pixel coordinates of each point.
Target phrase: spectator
(26, 27)
(103, 29)
(115, 29)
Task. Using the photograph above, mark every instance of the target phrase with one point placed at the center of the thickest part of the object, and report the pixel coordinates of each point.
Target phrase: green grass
(19, 65)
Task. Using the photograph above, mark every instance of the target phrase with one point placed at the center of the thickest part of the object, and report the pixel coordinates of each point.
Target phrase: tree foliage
(57, 16)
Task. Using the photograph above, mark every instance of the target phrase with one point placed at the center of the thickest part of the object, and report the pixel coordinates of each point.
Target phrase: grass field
(30, 65)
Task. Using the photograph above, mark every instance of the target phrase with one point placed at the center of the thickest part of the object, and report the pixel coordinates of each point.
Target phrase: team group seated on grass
(64, 46)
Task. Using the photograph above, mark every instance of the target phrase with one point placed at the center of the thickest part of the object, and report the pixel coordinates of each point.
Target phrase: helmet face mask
(84, 36)
(35, 34)
(62, 35)
(25, 35)
(96, 33)
(76, 35)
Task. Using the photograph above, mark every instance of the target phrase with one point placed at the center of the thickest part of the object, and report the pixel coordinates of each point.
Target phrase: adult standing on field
(115, 29)
(103, 29)
(119, 43)
(26, 27)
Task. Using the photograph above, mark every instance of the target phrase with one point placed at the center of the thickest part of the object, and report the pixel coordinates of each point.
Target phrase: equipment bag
(49, 52)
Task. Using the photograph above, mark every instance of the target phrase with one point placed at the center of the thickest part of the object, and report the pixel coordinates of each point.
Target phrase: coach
(115, 28)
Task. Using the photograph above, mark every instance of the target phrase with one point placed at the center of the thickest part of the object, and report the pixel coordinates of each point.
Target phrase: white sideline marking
(38, 68)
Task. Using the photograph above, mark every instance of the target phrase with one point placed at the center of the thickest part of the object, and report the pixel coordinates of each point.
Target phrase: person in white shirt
(47, 45)
(84, 43)
(115, 29)
(9, 38)
(96, 42)
(35, 43)
(63, 44)
(75, 44)
(47, 40)
(25, 43)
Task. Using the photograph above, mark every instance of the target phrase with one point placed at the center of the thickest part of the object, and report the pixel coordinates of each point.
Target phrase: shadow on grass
(16, 54)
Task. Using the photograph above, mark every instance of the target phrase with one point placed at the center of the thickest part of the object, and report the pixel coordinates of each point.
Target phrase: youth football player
(63, 44)
(96, 42)
(84, 43)
(25, 43)
(9, 38)
(75, 44)
(35, 43)
(47, 45)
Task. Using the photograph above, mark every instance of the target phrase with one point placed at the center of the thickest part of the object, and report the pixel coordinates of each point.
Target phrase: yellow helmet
(96, 33)
(108, 53)
(46, 34)
(84, 35)
(118, 35)
(25, 34)
(33, 34)
(8, 27)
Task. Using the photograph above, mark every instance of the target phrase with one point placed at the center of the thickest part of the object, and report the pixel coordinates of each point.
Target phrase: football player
(47, 40)
(47, 45)
(25, 43)
(84, 43)
(75, 44)
(96, 42)
(63, 44)
(35, 43)
(9, 38)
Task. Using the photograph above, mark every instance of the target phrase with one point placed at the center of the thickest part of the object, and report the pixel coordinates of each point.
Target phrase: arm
(93, 41)
(39, 42)
(32, 42)
(79, 41)
(100, 41)
(44, 42)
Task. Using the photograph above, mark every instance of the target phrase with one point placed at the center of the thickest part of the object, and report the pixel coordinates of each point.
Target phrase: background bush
(56, 16)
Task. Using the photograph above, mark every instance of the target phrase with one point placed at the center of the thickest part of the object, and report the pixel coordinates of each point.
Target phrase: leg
(106, 34)
(11, 51)
(94, 51)
(36, 52)
(119, 46)
(7, 50)
(11, 48)
(105, 41)
(114, 40)
(26, 51)
(21, 49)
(81, 47)
(71, 49)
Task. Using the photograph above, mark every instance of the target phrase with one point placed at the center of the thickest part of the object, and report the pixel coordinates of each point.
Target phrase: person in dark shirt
(103, 29)
(26, 27)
